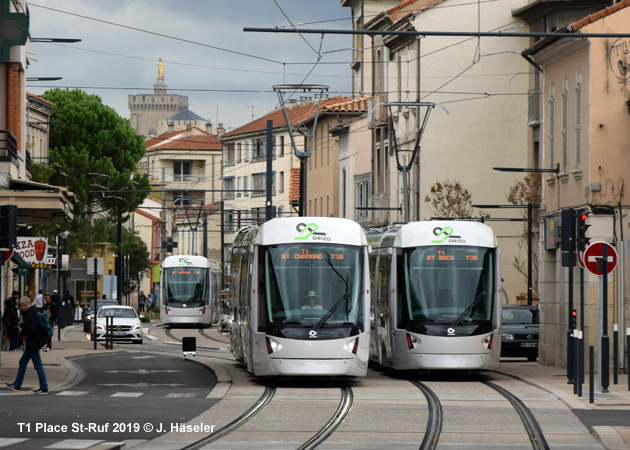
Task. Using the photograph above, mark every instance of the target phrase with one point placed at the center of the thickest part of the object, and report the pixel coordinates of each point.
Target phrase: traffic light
(567, 228)
(581, 238)
(8, 226)
(573, 324)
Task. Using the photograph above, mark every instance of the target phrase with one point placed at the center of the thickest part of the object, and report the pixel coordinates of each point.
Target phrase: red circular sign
(594, 252)
(8, 254)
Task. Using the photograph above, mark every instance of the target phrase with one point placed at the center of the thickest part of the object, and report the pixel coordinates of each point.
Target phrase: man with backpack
(31, 329)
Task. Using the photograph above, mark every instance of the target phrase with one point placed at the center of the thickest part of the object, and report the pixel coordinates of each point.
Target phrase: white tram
(190, 291)
(277, 331)
(437, 296)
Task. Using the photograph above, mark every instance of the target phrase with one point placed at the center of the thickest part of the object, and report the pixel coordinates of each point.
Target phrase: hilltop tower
(146, 110)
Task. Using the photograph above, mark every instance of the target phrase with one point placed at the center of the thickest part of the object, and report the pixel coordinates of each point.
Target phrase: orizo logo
(184, 262)
(312, 334)
(443, 234)
(310, 230)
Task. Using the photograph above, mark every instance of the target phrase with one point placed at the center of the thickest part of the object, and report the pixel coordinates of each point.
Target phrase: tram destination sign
(595, 252)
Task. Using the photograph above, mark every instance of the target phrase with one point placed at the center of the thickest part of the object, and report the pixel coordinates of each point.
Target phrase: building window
(565, 125)
(182, 170)
(552, 127)
(246, 185)
(281, 182)
(578, 121)
(259, 181)
(228, 187)
(362, 187)
(239, 149)
(281, 147)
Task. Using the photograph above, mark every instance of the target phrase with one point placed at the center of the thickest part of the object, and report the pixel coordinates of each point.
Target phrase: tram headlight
(352, 346)
(507, 337)
(272, 345)
(412, 341)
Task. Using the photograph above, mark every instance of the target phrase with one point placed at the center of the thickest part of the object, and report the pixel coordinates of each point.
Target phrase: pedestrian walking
(31, 329)
(11, 320)
(39, 299)
(50, 311)
(142, 299)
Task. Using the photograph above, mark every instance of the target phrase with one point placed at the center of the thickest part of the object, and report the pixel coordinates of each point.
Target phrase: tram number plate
(529, 344)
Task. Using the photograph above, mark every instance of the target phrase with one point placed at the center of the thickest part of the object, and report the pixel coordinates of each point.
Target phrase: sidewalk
(608, 416)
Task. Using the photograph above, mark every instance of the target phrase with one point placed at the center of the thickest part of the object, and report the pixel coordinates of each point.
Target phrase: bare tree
(523, 193)
(448, 199)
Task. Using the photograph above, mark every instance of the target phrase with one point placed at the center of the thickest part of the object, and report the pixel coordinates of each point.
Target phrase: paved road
(122, 396)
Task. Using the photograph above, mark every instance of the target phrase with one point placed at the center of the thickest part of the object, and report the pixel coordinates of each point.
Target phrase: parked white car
(126, 323)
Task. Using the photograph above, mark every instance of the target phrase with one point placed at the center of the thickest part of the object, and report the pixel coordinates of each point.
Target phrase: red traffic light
(574, 313)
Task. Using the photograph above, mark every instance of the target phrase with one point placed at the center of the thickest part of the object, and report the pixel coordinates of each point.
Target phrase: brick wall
(15, 101)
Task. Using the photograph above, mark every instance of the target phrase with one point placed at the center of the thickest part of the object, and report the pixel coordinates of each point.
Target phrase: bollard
(615, 353)
(580, 356)
(591, 356)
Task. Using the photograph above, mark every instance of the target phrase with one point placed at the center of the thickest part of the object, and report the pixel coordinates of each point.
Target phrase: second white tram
(437, 296)
(274, 267)
(190, 292)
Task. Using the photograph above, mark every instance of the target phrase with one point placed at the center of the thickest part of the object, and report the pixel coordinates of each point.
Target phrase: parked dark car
(519, 337)
(89, 313)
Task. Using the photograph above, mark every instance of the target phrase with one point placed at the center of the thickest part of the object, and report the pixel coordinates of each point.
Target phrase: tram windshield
(449, 285)
(314, 285)
(186, 285)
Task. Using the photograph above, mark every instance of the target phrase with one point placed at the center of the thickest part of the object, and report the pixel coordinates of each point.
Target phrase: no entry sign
(594, 252)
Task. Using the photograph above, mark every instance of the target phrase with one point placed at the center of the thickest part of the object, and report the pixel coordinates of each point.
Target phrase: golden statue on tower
(161, 70)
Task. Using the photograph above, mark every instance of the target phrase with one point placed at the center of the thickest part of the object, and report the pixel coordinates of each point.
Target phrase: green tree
(94, 153)
(94, 149)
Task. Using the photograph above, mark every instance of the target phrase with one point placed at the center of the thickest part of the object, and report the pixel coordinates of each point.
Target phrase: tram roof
(438, 232)
(193, 261)
(311, 230)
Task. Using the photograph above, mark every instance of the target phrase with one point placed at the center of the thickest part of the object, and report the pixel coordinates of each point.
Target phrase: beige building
(585, 112)
(186, 165)
(323, 167)
(479, 89)
(245, 167)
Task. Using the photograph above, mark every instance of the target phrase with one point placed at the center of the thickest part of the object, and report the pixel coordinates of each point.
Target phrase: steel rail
(434, 422)
(242, 419)
(529, 421)
(337, 419)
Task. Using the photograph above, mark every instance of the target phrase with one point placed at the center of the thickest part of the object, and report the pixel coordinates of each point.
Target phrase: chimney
(171, 126)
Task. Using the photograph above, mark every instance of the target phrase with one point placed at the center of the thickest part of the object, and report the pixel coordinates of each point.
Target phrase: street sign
(8, 254)
(580, 258)
(594, 252)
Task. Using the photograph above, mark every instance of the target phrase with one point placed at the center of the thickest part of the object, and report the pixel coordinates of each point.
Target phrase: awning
(22, 268)
(38, 202)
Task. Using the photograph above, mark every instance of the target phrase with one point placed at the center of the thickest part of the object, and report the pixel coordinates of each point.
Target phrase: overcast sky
(207, 55)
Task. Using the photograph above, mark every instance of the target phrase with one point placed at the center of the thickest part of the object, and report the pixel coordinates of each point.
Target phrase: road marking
(5, 442)
(142, 385)
(73, 393)
(127, 394)
(175, 395)
(75, 444)
(142, 371)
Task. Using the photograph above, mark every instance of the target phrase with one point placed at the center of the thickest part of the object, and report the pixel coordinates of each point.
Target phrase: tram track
(435, 419)
(340, 414)
(534, 432)
(434, 422)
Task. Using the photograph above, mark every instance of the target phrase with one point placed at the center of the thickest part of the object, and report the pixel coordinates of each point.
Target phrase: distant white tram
(437, 296)
(190, 291)
(277, 330)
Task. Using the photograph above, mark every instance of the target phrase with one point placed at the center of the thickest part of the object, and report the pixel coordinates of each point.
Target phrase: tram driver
(311, 301)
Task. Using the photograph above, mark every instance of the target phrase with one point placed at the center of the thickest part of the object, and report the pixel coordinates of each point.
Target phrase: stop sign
(594, 252)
